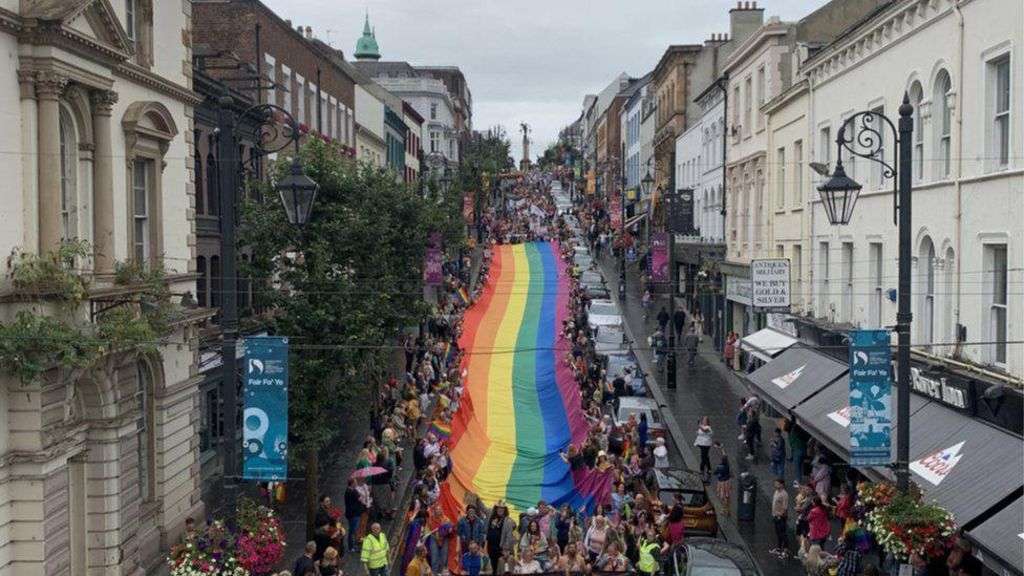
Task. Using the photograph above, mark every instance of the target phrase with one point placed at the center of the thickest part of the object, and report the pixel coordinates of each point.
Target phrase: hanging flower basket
(908, 526)
(260, 544)
(209, 553)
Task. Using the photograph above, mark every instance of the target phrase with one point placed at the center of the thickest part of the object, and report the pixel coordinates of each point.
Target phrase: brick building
(300, 73)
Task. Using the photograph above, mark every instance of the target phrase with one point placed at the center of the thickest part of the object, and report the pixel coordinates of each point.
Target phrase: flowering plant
(260, 544)
(208, 553)
(908, 526)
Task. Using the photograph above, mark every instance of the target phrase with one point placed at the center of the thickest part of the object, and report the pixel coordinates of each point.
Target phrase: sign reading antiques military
(870, 398)
(265, 420)
(769, 279)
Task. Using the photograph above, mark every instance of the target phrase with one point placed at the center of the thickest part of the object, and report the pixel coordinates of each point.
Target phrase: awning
(767, 344)
(826, 416)
(1001, 539)
(964, 464)
(794, 376)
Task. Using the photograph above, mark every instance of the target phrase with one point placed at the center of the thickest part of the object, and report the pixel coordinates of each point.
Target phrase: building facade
(669, 81)
(370, 144)
(100, 463)
(413, 142)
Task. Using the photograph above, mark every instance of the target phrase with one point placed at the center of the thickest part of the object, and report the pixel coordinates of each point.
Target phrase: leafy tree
(485, 153)
(340, 288)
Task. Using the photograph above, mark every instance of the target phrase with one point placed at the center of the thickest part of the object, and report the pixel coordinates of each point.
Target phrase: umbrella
(368, 472)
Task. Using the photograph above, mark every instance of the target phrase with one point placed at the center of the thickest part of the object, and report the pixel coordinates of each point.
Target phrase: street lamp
(647, 183)
(298, 192)
(839, 195)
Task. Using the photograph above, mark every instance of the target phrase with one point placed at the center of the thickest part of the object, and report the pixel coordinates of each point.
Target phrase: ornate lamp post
(862, 135)
(297, 192)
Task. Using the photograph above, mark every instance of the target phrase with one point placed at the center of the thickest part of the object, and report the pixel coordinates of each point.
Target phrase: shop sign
(939, 389)
(870, 398)
(841, 416)
(787, 379)
(936, 466)
(769, 278)
(737, 289)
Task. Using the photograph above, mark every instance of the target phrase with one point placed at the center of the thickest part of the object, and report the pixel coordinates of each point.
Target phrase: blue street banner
(265, 421)
(870, 398)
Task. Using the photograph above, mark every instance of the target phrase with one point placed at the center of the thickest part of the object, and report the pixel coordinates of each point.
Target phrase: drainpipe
(809, 199)
(723, 85)
(957, 350)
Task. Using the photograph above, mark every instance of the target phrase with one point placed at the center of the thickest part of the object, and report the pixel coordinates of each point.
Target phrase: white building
(958, 63)
(99, 464)
(369, 127)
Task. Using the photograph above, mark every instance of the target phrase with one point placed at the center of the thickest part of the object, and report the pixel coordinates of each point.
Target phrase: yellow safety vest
(375, 551)
(647, 562)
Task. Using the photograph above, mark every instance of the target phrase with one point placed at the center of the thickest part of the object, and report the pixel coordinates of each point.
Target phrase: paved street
(708, 389)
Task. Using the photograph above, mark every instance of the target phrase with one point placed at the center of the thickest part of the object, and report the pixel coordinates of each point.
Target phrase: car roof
(638, 403)
(715, 553)
(678, 479)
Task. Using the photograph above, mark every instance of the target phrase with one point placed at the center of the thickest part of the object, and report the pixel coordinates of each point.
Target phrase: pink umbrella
(368, 472)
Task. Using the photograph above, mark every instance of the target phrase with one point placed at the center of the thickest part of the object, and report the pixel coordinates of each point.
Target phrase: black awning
(964, 464)
(794, 376)
(826, 416)
(1001, 539)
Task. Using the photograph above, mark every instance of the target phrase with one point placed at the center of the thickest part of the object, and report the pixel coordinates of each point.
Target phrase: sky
(527, 60)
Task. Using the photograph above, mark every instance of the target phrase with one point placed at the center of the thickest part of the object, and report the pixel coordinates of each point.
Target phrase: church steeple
(366, 46)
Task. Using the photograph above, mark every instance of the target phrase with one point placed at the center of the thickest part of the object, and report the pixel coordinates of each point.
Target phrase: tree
(341, 288)
(486, 153)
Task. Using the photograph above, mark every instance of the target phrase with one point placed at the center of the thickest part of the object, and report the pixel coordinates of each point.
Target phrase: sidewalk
(707, 389)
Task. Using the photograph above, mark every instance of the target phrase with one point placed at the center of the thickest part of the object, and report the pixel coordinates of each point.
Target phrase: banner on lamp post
(433, 274)
(659, 257)
(615, 212)
(265, 418)
(870, 398)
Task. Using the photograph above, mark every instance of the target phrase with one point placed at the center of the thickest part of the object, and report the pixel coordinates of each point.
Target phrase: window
(926, 276)
(215, 282)
(760, 96)
(995, 264)
(825, 145)
(212, 185)
(847, 282)
(780, 178)
(748, 105)
(943, 118)
(202, 282)
(736, 108)
(68, 176)
(798, 173)
(271, 71)
(433, 110)
(875, 269)
(145, 431)
(1000, 68)
(129, 18)
(300, 99)
(310, 100)
(916, 94)
(823, 287)
(288, 91)
(435, 141)
(211, 420)
(140, 194)
(877, 171)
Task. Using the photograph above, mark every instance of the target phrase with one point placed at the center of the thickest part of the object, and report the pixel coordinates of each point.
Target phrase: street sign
(769, 279)
(265, 420)
(870, 398)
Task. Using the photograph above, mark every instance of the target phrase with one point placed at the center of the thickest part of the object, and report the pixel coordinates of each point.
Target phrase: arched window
(202, 286)
(199, 179)
(68, 176)
(926, 274)
(212, 188)
(943, 122)
(916, 95)
(145, 431)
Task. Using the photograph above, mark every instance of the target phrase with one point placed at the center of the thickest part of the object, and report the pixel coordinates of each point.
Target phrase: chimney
(744, 20)
(288, 22)
(309, 32)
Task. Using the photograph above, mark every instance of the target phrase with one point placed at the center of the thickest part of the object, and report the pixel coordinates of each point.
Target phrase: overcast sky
(527, 60)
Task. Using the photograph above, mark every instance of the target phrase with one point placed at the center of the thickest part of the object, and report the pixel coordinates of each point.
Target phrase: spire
(366, 46)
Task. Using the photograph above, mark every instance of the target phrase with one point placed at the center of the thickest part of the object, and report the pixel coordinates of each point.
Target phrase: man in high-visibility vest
(375, 551)
(649, 552)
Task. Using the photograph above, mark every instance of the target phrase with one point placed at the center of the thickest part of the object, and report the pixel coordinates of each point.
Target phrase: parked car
(597, 292)
(712, 557)
(610, 340)
(591, 277)
(618, 363)
(603, 313)
(698, 513)
(636, 405)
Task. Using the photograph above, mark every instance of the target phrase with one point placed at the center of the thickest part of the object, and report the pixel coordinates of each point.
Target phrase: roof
(638, 403)
(375, 69)
(1000, 535)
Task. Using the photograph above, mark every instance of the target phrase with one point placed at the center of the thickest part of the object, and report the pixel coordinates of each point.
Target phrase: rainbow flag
(440, 429)
(521, 405)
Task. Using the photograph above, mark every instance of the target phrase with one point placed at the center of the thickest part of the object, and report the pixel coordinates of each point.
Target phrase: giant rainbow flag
(521, 405)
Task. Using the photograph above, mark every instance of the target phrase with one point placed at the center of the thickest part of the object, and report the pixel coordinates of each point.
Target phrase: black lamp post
(839, 196)
(297, 192)
(671, 197)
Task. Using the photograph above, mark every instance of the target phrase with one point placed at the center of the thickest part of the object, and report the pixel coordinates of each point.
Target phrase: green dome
(366, 46)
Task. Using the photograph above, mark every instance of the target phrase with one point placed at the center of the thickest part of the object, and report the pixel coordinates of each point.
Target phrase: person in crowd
(613, 560)
(723, 481)
(729, 351)
(780, 511)
(821, 477)
(473, 561)
(501, 537)
(818, 525)
(528, 563)
(678, 321)
(376, 551)
(330, 564)
(594, 540)
(752, 434)
(850, 561)
(660, 453)
(704, 440)
(650, 549)
(420, 563)
(777, 455)
(797, 450)
(306, 561)
(471, 528)
(817, 562)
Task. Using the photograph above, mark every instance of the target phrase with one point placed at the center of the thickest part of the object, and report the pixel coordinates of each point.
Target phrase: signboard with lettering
(939, 389)
(265, 420)
(737, 289)
(936, 466)
(659, 257)
(870, 398)
(769, 279)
